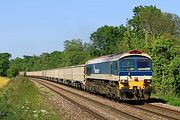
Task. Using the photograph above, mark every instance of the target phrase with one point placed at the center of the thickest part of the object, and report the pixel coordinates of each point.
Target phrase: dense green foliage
(105, 39)
(4, 63)
(150, 30)
(74, 53)
(21, 100)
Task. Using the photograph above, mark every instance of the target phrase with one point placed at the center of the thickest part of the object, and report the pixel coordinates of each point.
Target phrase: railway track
(99, 117)
(172, 114)
(162, 112)
(101, 111)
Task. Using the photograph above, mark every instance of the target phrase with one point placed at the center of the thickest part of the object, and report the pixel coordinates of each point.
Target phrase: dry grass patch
(4, 81)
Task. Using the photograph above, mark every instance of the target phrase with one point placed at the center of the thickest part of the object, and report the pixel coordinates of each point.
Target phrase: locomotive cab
(126, 75)
(135, 77)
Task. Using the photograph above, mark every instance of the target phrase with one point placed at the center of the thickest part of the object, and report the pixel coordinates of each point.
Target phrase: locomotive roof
(115, 57)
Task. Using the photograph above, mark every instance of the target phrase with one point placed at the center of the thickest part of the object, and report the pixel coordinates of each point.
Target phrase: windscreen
(127, 65)
(135, 64)
(143, 64)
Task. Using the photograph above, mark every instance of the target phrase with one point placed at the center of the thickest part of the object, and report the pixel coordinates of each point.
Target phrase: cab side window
(115, 66)
(88, 70)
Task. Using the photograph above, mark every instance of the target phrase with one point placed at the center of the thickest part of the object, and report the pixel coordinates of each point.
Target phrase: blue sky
(30, 27)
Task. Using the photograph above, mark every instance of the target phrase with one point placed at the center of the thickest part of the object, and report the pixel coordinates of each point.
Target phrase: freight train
(122, 76)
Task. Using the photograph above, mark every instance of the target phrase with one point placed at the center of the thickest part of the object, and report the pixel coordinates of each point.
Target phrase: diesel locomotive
(122, 76)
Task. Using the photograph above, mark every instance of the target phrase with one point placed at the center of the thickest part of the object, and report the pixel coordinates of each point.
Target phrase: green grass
(21, 100)
(172, 100)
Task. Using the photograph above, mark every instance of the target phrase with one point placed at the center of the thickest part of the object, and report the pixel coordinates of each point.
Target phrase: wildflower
(44, 112)
(27, 102)
(35, 111)
(35, 115)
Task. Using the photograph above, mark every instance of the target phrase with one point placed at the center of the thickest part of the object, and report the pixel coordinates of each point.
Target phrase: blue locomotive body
(130, 72)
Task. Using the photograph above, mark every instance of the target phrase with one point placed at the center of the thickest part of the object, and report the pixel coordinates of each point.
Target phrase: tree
(4, 63)
(126, 43)
(150, 19)
(74, 52)
(176, 23)
(175, 74)
(15, 66)
(105, 39)
(162, 55)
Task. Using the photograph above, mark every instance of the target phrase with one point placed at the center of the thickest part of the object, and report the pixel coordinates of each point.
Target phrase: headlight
(124, 81)
(147, 80)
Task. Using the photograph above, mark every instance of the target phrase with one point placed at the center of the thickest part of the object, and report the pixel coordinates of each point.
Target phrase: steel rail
(124, 114)
(74, 102)
(146, 109)
(158, 111)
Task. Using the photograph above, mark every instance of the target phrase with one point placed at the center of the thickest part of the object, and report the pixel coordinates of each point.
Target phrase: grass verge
(171, 100)
(21, 100)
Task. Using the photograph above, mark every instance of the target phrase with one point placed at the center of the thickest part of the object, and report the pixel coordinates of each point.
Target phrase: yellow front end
(134, 88)
(139, 84)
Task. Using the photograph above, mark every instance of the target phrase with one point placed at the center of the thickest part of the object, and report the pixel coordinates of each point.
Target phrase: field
(22, 100)
(3, 81)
